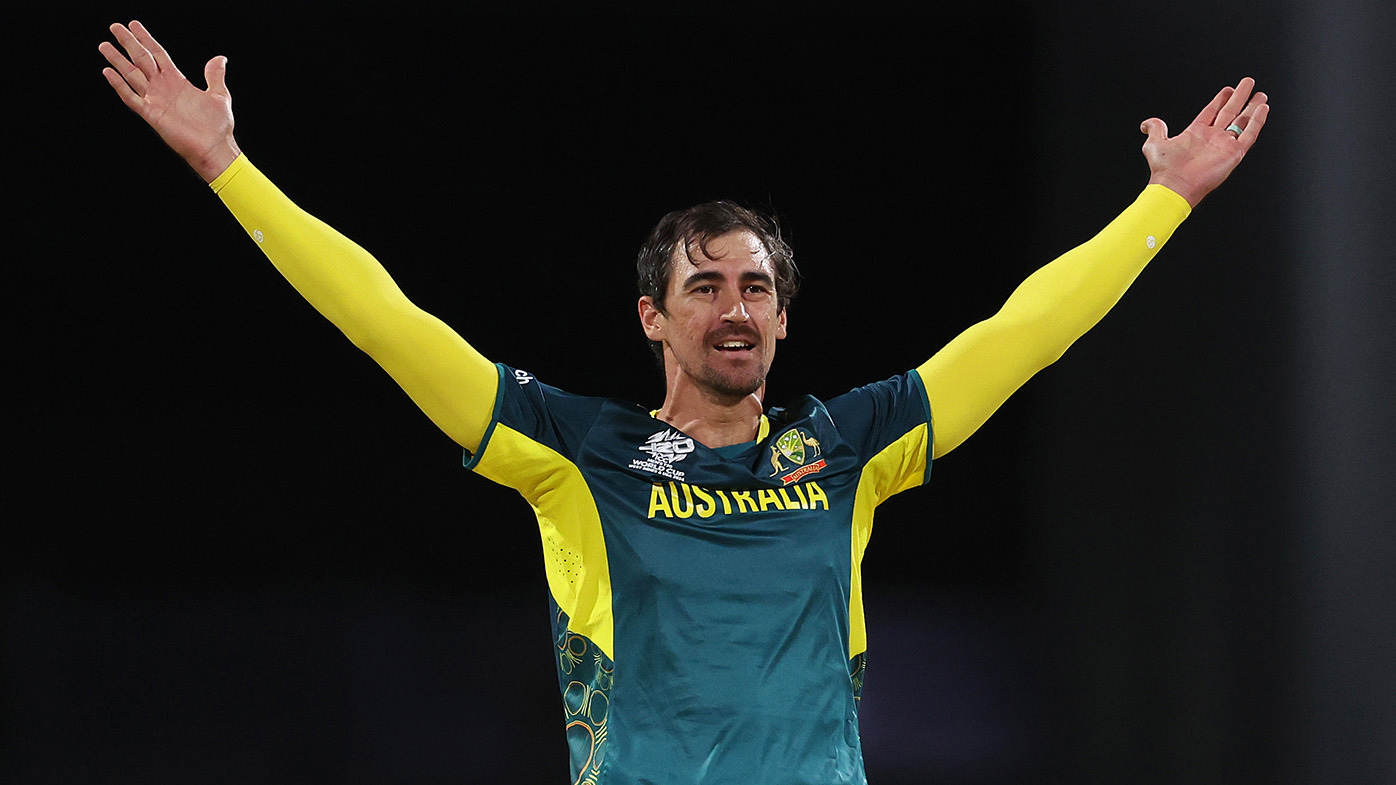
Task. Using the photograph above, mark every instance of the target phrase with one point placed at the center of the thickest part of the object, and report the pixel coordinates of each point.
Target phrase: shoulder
(904, 393)
(551, 414)
(872, 416)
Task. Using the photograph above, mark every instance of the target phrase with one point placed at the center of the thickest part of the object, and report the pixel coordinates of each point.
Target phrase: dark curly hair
(698, 226)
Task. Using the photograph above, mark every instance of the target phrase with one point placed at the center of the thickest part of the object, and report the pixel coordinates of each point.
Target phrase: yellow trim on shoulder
(574, 545)
(898, 467)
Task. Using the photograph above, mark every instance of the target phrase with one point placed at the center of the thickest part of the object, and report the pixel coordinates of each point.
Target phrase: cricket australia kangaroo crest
(796, 447)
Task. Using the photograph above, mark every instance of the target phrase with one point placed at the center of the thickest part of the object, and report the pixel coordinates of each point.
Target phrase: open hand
(196, 124)
(1196, 161)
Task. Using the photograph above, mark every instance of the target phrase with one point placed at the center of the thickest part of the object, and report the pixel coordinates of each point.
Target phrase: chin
(733, 387)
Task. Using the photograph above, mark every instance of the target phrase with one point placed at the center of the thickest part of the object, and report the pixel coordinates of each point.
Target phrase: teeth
(733, 345)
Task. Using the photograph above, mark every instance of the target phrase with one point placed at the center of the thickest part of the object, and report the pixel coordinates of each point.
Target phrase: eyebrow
(704, 276)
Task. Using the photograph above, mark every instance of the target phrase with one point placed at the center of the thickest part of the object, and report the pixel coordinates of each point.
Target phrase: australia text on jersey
(681, 500)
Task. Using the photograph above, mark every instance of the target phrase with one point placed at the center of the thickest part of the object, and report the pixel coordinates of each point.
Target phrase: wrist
(1190, 193)
(216, 160)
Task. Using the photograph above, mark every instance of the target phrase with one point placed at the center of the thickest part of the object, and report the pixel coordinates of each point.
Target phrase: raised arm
(976, 372)
(451, 382)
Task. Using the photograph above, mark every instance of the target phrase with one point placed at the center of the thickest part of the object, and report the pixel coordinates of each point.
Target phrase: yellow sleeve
(977, 371)
(454, 384)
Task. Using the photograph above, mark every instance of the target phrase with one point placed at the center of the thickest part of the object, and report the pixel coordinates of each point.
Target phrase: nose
(737, 313)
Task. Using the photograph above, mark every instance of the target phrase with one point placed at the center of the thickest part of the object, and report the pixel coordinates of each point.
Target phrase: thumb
(215, 72)
(1155, 128)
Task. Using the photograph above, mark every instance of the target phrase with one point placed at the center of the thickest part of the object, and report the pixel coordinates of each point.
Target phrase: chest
(674, 512)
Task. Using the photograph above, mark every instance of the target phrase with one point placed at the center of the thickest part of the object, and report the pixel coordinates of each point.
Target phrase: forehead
(739, 250)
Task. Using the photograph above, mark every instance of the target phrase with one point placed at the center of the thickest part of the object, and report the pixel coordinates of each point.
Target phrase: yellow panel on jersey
(574, 546)
(900, 466)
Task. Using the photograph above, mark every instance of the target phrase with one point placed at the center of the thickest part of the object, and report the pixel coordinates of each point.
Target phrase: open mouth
(734, 346)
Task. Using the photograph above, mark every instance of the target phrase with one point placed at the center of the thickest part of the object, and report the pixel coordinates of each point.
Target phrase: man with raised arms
(703, 559)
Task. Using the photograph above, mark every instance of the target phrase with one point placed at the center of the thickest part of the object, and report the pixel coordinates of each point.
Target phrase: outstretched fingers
(1252, 120)
(132, 80)
(158, 53)
(139, 56)
(1246, 125)
(123, 90)
(1208, 115)
(1235, 110)
(1236, 103)
(196, 124)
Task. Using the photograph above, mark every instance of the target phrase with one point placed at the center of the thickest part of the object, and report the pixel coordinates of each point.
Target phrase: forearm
(1056, 305)
(974, 374)
(451, 382)
(337, 277)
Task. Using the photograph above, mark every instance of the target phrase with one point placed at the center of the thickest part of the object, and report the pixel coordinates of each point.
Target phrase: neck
(711, 419)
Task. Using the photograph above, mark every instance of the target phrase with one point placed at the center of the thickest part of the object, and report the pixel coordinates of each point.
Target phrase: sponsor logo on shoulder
(522, 377)
(798, 449)
(664, 449)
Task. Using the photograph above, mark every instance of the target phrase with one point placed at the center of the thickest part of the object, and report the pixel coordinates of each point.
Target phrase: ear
(781, 320)
(651, 319)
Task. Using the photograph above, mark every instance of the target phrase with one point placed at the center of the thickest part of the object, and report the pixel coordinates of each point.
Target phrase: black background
(236, 552)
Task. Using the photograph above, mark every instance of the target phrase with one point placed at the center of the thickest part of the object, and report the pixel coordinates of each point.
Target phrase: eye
(704, 289)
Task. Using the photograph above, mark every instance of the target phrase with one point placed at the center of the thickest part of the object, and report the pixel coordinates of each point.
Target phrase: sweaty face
(721, 317)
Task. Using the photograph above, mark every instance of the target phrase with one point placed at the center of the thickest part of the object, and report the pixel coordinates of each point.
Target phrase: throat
(716, 403)
(715, 426)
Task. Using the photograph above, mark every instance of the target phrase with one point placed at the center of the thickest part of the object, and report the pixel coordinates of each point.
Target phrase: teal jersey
(707, 603)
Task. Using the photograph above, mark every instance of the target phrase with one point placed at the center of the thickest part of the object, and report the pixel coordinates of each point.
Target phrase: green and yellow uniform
(707, 610)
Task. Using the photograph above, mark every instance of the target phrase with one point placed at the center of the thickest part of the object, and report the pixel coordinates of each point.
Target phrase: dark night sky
(243, 554)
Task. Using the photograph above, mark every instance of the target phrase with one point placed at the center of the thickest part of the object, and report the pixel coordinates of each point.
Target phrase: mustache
(734, 332)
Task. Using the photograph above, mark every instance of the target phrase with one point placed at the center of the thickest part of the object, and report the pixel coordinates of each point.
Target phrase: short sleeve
(889, 425)
(533, 429)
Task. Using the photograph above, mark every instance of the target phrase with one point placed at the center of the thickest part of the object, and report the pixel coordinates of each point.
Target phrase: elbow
(1042, 335)
(365, 326)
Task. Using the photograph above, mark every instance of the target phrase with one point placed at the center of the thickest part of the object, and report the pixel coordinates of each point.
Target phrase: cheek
(777, 325)
(692, 330)
(695, 326)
